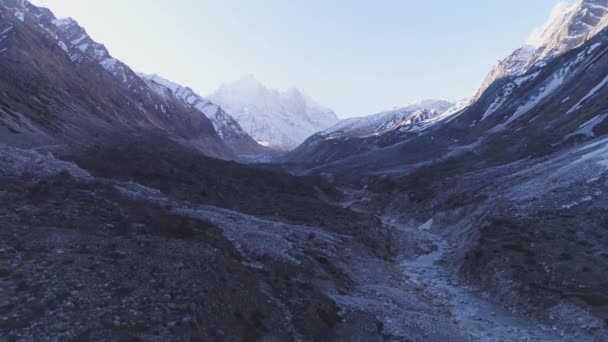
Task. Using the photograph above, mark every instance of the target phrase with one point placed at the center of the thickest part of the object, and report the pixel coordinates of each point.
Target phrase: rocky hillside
(141, 238)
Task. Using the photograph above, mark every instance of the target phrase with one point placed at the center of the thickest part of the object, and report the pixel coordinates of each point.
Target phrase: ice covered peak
(225, 126)
(249, 78)
(298, 97)
(283, 119)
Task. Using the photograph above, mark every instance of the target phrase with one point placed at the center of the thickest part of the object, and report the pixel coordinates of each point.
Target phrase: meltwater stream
(477, 317)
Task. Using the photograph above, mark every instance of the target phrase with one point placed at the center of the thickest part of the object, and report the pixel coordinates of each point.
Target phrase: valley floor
(90, 257)
(421, 272)
(477, 317)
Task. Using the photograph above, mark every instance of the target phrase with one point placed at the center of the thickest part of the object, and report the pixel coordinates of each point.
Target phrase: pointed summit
(248, 78)
(247, 81)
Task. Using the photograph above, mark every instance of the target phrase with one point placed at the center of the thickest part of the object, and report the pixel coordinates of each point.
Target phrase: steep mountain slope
(60, 87)
(570, 28)
(226, 127)
(280, 120)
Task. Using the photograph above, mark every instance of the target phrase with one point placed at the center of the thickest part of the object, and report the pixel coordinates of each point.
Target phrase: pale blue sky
(355, 56)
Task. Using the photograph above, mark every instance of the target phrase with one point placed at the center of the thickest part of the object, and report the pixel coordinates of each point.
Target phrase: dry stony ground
(530, 236)
(86, 258)
(174, 246)
(90, 258)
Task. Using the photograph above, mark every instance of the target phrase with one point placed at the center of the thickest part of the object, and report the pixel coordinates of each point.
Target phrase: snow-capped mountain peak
(247, 88)
(281, 119)
(569, 26)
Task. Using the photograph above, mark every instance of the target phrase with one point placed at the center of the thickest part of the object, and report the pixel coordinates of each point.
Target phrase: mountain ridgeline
(128, 212)
(72, 90)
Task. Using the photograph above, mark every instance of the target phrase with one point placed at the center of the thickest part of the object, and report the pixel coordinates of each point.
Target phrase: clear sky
(355, 56)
